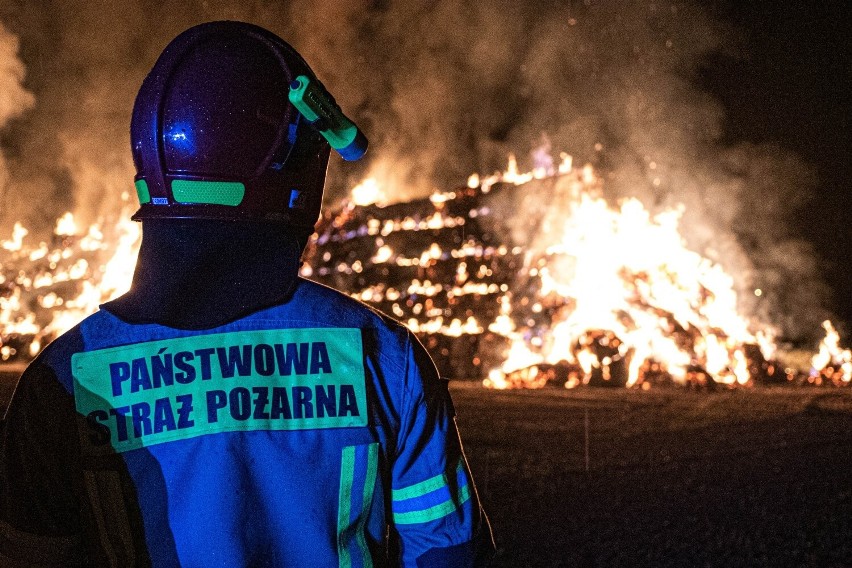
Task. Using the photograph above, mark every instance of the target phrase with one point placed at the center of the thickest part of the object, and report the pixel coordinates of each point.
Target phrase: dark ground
(675, 478)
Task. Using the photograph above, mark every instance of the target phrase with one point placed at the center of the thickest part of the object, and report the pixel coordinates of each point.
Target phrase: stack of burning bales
(439, 264)
(33, 282)
(472, 272)
(528, 280)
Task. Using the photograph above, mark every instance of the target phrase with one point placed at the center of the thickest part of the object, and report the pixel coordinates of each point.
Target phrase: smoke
(442, 89)
(14, 98)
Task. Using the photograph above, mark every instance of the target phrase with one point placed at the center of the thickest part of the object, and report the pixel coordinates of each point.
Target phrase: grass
(672, 478)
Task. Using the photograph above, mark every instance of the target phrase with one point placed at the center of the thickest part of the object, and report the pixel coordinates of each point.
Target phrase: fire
(65, 226)
(595, 293)
(626, 278)
(367, 192)
(832, 363)
(17, 241)
(55, 284)
(585, 292)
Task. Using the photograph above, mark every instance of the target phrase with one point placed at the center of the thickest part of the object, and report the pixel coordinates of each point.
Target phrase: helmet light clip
(319, 108)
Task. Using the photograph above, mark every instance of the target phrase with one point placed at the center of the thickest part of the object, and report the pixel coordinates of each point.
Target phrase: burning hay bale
(47, 286)
(530, 280)
(538, 281)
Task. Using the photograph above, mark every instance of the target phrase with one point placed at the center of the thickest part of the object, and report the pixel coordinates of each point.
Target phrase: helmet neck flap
(203, 273)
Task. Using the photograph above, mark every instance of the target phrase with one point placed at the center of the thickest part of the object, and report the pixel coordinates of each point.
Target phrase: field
(667, 478)
(604, 477)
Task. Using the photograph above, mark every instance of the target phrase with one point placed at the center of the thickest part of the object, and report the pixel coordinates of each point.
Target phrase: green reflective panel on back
(148, 393)
(142, 191)
(211, 192)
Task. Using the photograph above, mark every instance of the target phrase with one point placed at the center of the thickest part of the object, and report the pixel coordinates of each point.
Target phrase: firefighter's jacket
(313, 433)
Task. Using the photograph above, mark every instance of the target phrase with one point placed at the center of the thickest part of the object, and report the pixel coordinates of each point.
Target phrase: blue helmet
(214, 134)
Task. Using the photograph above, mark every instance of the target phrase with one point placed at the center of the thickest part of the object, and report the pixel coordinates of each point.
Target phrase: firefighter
(225, 411)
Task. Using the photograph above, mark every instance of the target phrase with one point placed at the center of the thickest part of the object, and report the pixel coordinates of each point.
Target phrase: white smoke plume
(443, 89)
(14, 98)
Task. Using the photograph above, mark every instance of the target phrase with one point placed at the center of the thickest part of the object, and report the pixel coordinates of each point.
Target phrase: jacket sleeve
(39, 513)
(435, 510)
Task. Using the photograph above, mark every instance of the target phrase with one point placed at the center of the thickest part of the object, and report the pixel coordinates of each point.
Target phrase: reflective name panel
(292, 379)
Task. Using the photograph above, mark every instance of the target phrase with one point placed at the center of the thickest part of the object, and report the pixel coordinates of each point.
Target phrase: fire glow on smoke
(599, 290)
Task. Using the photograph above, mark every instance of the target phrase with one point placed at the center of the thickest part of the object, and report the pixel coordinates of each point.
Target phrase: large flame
(832, 363)
(624, 288)
(603, 292)
(54, 284)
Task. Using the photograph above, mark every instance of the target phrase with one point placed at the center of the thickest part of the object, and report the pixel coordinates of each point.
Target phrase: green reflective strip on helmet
(433, 513)
(142, 191)
(210, 192)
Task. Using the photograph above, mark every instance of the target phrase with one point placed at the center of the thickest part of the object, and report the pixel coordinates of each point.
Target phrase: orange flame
(629, 272)
(97, 264)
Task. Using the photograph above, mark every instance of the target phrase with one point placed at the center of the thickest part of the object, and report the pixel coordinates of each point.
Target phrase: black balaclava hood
(199, 273)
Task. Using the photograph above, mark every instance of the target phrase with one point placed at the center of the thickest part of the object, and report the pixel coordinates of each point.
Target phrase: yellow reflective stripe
(423, 487)
(433, 513)
(358, 464)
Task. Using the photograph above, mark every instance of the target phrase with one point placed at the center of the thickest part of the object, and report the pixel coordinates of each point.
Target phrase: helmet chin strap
(200, 274)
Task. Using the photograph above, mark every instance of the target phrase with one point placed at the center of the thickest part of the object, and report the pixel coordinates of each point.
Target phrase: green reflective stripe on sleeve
(210, 192)
(433, 513)
(369, 485)
(347, 474)
(423, 487)
(142, 191)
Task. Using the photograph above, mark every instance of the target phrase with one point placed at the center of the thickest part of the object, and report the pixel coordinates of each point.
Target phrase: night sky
(794, 88)
(741, 104)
